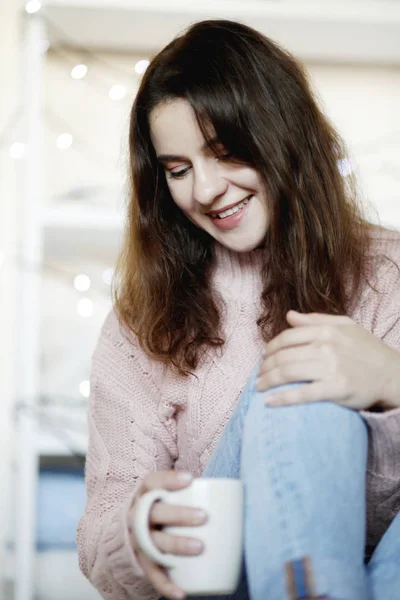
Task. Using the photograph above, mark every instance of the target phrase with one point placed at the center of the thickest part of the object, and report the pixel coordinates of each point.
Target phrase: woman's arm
(127, 441)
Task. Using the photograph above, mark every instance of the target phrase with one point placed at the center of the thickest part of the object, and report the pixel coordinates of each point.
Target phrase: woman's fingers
(162, 514)
(313, 328)
(169, 514)
(288, 356)
(297, 337)
(301, 394)
(177, 544)
(167, 480)
(289, 373)
(298, 318)
(159, 579)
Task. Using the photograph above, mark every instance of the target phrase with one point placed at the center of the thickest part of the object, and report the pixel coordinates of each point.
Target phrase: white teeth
(231, 211)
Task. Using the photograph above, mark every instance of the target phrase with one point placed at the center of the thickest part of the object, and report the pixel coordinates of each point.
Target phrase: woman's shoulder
(378, 307)
(384, 239)
(115, 332)
(384, 255)
(117, 342)
(119, 361)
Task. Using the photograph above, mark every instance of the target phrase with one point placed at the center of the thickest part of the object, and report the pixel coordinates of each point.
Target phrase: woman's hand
(163, 514)
(340, 360)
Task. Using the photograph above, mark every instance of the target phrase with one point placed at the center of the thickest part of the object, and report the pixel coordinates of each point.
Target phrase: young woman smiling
(248, 280)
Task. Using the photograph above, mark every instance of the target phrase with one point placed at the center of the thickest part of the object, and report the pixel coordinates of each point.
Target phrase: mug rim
(217, 480)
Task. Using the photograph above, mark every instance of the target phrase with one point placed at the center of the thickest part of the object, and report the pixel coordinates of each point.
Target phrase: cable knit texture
(144, 418)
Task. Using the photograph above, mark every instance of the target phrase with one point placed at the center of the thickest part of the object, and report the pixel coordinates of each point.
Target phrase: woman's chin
(242, 248)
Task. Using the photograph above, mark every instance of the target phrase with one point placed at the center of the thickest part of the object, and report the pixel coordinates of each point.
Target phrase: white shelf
(86, 218)
(355, 31)
(60, 431)
(49, 444)
(76, 233)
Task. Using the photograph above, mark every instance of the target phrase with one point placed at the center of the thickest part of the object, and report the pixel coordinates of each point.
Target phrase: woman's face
(224, 198)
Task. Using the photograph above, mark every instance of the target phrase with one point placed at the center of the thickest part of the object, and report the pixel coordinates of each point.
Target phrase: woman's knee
(335, 426)
(323, 421)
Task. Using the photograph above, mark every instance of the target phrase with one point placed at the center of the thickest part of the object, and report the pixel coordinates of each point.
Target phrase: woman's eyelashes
(225, 156)
(178, 174)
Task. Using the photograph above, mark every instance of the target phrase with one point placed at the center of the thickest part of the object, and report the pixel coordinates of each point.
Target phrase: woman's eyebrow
(163, 158)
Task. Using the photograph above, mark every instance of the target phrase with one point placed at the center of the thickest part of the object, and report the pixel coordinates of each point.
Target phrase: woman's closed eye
(179, 173)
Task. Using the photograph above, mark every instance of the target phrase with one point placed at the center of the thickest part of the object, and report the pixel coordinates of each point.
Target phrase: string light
(344, 166)
(44, 45)
(108, 276)
(84, 307)
(117, 92)
(33, 6)
(141, 66)
(82, 283)
(17, 150)
(84, 388)
(64, 141)
(79, 71)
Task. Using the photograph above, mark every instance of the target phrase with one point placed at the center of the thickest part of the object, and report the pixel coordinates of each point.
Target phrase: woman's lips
(232, 221)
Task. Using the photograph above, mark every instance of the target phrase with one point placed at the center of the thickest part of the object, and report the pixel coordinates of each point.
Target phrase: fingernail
(195, 545)
(184, 477)
(178, 595)
(200, 515)
(271, 399)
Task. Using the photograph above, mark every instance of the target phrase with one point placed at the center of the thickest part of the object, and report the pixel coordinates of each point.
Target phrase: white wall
(9, 36)
(363, 102)
(97, 123)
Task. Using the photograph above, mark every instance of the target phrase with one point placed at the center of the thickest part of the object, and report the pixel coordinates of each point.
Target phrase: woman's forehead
(173, 126)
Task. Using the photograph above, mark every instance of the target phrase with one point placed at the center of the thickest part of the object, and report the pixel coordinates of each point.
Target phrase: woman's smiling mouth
(231, 210)
(231, 217)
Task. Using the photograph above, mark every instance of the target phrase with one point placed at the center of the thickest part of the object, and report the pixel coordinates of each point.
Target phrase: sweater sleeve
(383, 474)
(384, 426)
(130, 435)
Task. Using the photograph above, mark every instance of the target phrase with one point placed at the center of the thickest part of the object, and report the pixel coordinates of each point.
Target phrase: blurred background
(69, 70)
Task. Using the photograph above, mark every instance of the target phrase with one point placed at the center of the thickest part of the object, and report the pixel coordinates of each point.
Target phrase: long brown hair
(255, 97)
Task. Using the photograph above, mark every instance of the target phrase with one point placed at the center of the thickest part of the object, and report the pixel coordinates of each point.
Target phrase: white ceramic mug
(217, 569)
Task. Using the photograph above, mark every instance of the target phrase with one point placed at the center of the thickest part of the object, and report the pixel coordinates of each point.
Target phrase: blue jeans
(304, 470)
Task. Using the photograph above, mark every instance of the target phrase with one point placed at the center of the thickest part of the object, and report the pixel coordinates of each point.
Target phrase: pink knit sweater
(143, 418)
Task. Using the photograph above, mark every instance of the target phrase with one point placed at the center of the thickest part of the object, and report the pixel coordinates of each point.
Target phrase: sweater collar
(238, 271)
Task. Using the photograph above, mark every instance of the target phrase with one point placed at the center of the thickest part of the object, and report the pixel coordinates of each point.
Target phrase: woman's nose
(208, 183)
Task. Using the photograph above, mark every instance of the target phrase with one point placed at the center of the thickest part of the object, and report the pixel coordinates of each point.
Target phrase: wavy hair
(255, 97)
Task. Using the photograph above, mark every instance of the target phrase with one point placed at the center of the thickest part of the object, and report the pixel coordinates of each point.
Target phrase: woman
(247, 258)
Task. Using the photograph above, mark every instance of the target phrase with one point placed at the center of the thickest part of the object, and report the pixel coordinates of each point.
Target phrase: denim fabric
(303, 469)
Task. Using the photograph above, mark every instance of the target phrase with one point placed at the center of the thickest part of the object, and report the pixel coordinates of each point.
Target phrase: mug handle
(142, 531)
